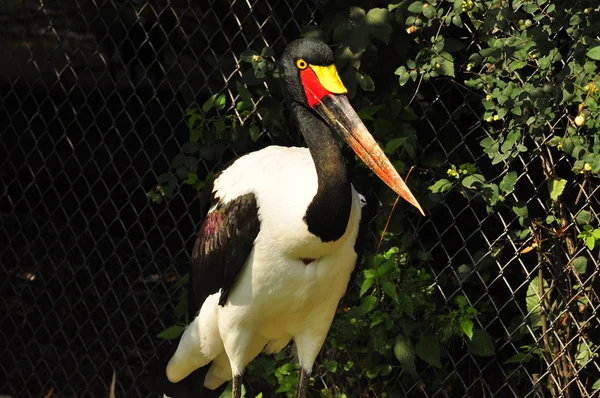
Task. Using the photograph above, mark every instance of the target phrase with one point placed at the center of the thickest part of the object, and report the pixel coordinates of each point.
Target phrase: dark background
(92, 103)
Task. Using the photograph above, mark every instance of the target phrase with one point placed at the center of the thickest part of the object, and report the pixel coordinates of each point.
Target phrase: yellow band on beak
(329, 78)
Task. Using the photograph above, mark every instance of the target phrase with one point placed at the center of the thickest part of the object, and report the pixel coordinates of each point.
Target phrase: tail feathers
(192, 386)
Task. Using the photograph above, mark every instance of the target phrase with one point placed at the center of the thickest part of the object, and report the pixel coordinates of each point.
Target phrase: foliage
(532, 64)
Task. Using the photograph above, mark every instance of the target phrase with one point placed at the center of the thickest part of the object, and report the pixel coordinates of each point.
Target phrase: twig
(113, 385)
(416, 91)
(387, 223)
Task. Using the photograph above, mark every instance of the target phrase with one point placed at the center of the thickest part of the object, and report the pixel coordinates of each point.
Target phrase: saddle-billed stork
(276, 249)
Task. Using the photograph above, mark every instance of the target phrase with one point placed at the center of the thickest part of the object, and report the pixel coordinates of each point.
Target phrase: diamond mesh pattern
(92, 97)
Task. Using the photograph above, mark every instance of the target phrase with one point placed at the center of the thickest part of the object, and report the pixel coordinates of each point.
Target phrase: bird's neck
(328, 213)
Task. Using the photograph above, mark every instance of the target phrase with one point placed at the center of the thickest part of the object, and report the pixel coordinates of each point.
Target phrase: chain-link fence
(93, 96)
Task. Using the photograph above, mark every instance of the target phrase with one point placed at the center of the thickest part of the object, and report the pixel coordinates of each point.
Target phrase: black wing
(224, 242)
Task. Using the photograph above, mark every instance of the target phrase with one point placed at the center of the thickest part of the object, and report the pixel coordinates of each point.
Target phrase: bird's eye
(301, 64)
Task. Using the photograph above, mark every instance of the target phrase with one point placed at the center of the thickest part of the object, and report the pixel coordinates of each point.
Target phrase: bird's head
(310, 78)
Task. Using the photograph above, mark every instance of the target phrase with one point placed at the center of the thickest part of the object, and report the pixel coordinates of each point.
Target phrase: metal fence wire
(93, 96)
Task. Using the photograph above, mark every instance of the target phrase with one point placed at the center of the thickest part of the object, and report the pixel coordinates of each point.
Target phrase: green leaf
(403, 75)
(178, 161)
(517, 65)
(461, 301)
(590, 241)
(350, 79)
(473, 181)
(365, 82)
(596, 385)
(267, 52)
(390, 289)
(466, 325)
(481, 344)
(406, 304)
(488, 142)
(533, 300)
(521, 210)
(428, 349)
(368, 304)
(489, 105)
(254, 132)
(457, 20)
(377, 18)
(416, 7)
(583, 217)
(519, 358)
(440, 186)
(366, 285)
(171, 333)
(248, 55)
(368, 112)
(594, 53)
(394, 144)
(190, 147)
(210, 103)
(243, 105)
(192, 178)
(507, 184)
(243, 91)
(596, 164)
(428, 11)
(446, 63)
(584, 353)
(330, 365)
(220, 102)
(580, 264)
(405, 354)
(556, 186)
(370, 273)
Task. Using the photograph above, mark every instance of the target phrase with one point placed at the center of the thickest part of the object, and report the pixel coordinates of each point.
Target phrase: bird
(279, 240)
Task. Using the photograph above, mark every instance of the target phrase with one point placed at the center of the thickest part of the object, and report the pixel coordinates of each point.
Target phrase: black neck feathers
(328, 213)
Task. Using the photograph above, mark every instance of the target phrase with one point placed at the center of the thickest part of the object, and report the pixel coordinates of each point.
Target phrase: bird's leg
(303, 382)
(236, 386)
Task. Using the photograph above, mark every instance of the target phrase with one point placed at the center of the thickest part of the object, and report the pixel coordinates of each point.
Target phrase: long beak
(337, 111)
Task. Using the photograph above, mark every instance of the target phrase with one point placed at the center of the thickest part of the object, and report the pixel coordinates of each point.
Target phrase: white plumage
(277, 297)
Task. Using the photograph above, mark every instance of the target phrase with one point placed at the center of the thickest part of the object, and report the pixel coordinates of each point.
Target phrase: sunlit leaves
(556, 186)
(403, 75)
(444, 64)
(416, 7)
(594, 53)
(590, 235)
(441, 186)
(466, 325)
(507, 184)
(377, 19)
(217, 101)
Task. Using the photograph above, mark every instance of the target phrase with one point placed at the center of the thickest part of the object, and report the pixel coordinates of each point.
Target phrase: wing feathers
(224, 242)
